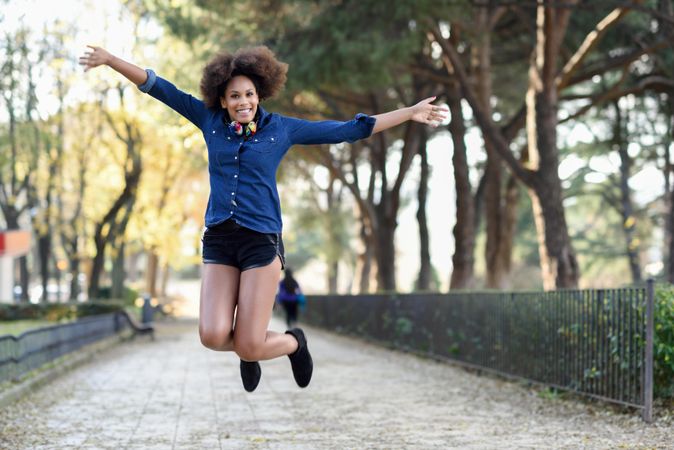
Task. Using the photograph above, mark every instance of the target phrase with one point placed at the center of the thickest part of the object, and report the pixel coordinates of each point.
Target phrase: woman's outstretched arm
(147, 81)
(98, 56)
(330, 131)
(422, 112)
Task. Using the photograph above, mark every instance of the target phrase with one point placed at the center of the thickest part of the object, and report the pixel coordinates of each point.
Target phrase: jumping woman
(243, 252)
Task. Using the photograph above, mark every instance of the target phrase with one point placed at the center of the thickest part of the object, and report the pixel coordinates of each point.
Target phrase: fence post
(648, 354)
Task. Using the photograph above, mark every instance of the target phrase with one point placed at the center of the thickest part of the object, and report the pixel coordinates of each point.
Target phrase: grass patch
(550, 393)
(16, 327)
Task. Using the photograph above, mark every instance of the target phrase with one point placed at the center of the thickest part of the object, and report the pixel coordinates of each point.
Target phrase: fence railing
(594, 342)
(30, 350)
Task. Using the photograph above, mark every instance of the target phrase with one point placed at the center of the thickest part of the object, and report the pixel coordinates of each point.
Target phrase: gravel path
(173, 393)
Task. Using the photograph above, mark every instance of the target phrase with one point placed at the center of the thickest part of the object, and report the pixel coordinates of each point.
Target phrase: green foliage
(129, 297)
(359, 42)
(592, 192)
(404, 326)
(16, 327)
(56, 312)
(663, 342)
(550, 393)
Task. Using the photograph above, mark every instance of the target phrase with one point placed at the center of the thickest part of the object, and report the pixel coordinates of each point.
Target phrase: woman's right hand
(94, 57)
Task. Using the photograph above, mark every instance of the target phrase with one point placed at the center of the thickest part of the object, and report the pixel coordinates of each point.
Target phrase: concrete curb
(41, 376)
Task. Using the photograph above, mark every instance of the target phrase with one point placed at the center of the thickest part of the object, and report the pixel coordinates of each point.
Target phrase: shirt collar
(263, 117)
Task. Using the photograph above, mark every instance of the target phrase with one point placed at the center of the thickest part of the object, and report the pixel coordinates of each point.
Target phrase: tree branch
(428, 73)
(111, 122)
(610, 63)
(411, 138)
(486, 125)
(590, 42)
(364, 207)
(664, 84)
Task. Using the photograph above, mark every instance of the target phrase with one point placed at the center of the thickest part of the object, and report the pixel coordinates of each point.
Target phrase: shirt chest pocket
(218, 140)
(263, 144)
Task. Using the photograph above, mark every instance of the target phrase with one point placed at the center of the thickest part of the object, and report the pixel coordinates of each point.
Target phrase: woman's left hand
(425, 112)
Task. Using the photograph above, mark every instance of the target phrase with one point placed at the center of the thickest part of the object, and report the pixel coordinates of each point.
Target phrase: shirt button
(236, 157)
(272, 139)
(231, 212)
(213, 131)
(228, 138)
(232, 193)
(236, 176)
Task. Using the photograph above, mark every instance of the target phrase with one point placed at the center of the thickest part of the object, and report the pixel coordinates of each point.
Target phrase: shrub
(57, 311)
(663, 342)
(129, 295)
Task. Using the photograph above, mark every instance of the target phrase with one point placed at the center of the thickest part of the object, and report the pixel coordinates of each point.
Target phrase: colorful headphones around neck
(239, 130)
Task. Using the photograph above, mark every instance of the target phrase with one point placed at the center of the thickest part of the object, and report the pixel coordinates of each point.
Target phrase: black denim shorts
(231, 244)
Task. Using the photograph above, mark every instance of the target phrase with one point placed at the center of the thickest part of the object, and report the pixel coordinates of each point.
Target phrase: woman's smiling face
(240, 99)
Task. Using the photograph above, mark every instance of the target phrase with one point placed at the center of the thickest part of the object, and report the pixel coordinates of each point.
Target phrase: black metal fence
(32, 349)
(594, 342)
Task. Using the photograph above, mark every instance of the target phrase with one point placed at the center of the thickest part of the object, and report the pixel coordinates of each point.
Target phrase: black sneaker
(301, 361)
(250, 374)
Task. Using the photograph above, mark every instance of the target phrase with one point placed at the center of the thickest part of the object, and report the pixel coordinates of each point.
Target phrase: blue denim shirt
(243, 172)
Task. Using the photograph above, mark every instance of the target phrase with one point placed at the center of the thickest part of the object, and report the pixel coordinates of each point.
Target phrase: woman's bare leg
(219, 291)
(257, 291)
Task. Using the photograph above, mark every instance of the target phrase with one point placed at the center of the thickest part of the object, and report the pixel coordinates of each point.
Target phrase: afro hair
(257, 63)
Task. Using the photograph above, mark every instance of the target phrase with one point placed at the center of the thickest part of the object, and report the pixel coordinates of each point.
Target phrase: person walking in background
(289, 297)
(243, 252)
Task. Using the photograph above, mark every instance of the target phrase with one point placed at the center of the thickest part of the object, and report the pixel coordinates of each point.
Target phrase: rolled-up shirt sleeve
(151, 80)
(185, 104)
(308, 132)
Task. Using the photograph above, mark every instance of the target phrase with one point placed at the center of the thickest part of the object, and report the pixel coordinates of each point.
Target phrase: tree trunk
(43, 225)
(558, 259)
(384, 251)
(669, 267)
(74, 269)
(425, 279)
(97, 264)
(386, 210)
(24, 278)
(364, 263)
(464, 231)
(44, 250)
(111, 227)
(334, 253)
(71, 228)
(46, 228)
(166, 275)
(151, 273)
(626, 209)
(497, 263)
(669, 195)
(118, 272)
(333, 272)
(512, 196)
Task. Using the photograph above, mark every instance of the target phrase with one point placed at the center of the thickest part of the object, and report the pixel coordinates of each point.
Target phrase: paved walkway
(173, 393)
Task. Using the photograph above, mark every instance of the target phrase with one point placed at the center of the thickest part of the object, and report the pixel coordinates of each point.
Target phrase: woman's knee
(248, 349)
(216, 338)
